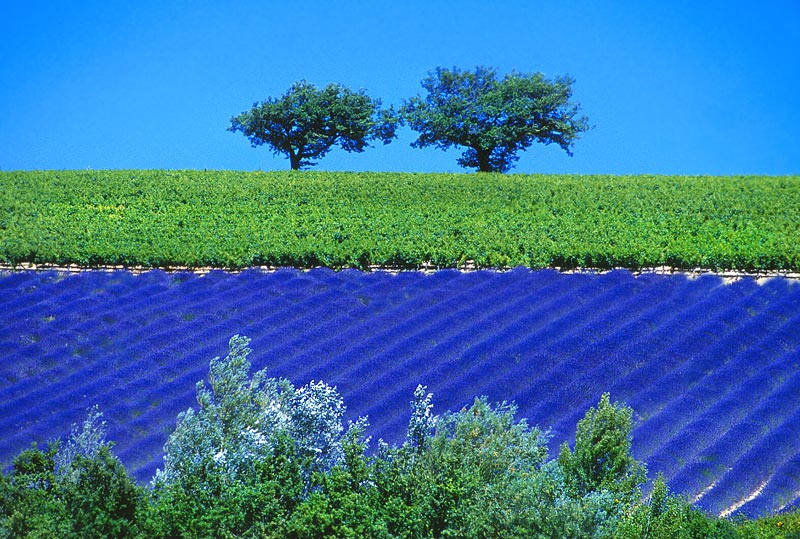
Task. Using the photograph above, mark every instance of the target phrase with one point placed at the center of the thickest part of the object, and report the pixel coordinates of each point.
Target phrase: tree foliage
(493, 118)
(667, 516)
(242, 418)
(75, 489)
(457, 481)
(306, 122)
(250, 452)
(602, 457)
(86, 441)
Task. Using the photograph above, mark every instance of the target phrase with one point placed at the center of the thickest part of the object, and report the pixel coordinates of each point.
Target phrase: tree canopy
(306, 122)
(493, 118)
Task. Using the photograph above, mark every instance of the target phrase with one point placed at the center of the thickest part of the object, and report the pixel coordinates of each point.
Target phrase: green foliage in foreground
(473, 473)
(236, 219)
(602, 458)
(93, 497)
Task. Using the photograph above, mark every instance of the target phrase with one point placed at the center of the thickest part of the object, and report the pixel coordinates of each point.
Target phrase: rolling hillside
(712, 370)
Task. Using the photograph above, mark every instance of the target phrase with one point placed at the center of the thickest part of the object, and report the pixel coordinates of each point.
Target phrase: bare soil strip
(726, 275)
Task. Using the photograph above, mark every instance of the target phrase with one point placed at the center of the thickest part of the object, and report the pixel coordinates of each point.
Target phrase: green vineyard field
(338, 219)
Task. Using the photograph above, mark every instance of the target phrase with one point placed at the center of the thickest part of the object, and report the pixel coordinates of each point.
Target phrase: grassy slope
(226, 218)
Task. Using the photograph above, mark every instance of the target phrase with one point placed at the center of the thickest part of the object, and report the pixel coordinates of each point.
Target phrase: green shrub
(249, 454)
(213, 504)
(602, 457)
(101, 499)
(78, 489)
(784, 525)
(480, 473)
(468, 464)
(344, 501)
(667, 516)
(240, 420)
(29, 501)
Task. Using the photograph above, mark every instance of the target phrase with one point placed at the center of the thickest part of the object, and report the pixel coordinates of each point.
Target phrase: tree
(306, 122)
(249, 453)
(493, 119)
(76, 489)
(241, 418)
(602, 458)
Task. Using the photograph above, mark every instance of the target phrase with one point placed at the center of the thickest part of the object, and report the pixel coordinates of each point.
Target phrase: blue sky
(679, 87)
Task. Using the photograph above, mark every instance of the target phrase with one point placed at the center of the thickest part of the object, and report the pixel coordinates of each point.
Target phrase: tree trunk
(294, 160)
(483, 160)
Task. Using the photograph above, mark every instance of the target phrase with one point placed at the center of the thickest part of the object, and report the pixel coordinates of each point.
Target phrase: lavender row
(712, 370)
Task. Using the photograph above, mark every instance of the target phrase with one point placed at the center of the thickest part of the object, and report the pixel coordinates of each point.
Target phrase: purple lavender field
(712, 370)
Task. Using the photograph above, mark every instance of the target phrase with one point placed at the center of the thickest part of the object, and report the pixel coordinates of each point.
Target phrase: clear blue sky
(677, 87)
